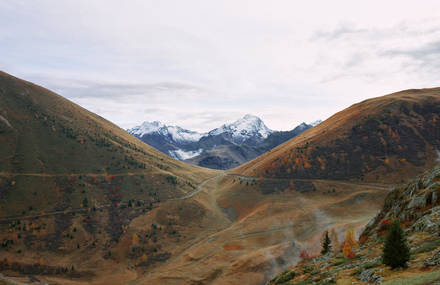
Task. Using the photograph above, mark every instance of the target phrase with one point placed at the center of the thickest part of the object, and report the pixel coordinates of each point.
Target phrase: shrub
(304, 255)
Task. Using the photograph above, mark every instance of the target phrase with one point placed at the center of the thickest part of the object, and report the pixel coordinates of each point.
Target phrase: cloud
(337, 33)
(423, 58)
(201, 63)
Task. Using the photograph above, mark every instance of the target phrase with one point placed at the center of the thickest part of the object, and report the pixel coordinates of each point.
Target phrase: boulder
(369, 276)
(433, 260)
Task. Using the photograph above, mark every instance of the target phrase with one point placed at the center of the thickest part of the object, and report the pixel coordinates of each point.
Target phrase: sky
(199, 64)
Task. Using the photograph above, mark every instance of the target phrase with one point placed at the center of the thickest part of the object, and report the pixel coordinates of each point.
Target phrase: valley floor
(251, 229)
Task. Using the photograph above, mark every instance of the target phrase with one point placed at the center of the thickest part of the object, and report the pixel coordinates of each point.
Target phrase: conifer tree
(326, 244)
(395, 251)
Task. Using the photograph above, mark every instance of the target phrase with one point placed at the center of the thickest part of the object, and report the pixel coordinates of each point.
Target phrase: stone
(420, 202)
(433, 260)
(369, 276)
(425, 224)
(434, 196)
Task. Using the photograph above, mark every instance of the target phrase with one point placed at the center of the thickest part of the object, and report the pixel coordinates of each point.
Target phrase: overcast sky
(199, 64)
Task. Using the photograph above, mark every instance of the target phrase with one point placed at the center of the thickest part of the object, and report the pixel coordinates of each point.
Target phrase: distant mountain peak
(248, 127)
(175, 132)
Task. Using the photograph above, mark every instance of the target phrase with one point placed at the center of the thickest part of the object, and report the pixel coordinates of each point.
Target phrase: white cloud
(200, 63)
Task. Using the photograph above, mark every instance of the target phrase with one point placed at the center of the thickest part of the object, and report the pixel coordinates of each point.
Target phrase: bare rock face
(420, 201)
(428, 223)
(416, 203)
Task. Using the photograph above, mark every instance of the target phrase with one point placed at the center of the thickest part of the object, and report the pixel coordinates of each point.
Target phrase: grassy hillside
(368, 141)
(71, 183)
(53, 150)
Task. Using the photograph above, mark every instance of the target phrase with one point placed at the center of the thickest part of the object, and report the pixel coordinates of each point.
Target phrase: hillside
(368, 141)
(71, 183)
(44, 134)
(417, 207)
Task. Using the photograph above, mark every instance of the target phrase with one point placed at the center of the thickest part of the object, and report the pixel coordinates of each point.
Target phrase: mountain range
(222, 148)
(84, 202)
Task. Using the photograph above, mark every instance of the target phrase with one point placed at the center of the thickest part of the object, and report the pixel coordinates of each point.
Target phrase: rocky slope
(222, 148)
(416, 205)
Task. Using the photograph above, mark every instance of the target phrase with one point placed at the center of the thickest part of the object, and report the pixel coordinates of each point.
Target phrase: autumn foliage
(304, 255)
(349, 244)
(335, 241)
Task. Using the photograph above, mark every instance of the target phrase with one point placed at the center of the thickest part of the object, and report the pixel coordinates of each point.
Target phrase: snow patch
(178, 134)
(244, 128)
(180, 154)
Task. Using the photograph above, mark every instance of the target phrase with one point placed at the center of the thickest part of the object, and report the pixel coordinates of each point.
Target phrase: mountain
(416, 206)
(380, 139)
(221, 153)
(249, 129)
(84, 202)
(222, 148)
(167, 139)
(72, 182)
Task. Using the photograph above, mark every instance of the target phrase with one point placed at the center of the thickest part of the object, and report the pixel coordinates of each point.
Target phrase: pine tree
(395, 251)
(326, 244)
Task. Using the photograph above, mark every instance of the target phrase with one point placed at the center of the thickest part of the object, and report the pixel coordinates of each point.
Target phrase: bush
(395, 251)
(304, 255)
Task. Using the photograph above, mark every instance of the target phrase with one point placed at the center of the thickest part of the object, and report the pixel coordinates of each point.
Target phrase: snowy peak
(177, 133)
(248, 127)
(146, 128)
(317, 122)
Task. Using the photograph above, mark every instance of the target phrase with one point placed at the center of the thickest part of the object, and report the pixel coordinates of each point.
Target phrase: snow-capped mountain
(221, 148)
(177, 133)
(246, 128)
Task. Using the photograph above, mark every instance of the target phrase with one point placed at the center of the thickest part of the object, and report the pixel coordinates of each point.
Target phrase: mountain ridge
(399, 130)
(221, 148)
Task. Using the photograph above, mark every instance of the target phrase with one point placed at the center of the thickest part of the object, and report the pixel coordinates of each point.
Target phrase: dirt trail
(9, 174)
(370, 185)
(7, 281)
(198, 189)
(216, 210)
